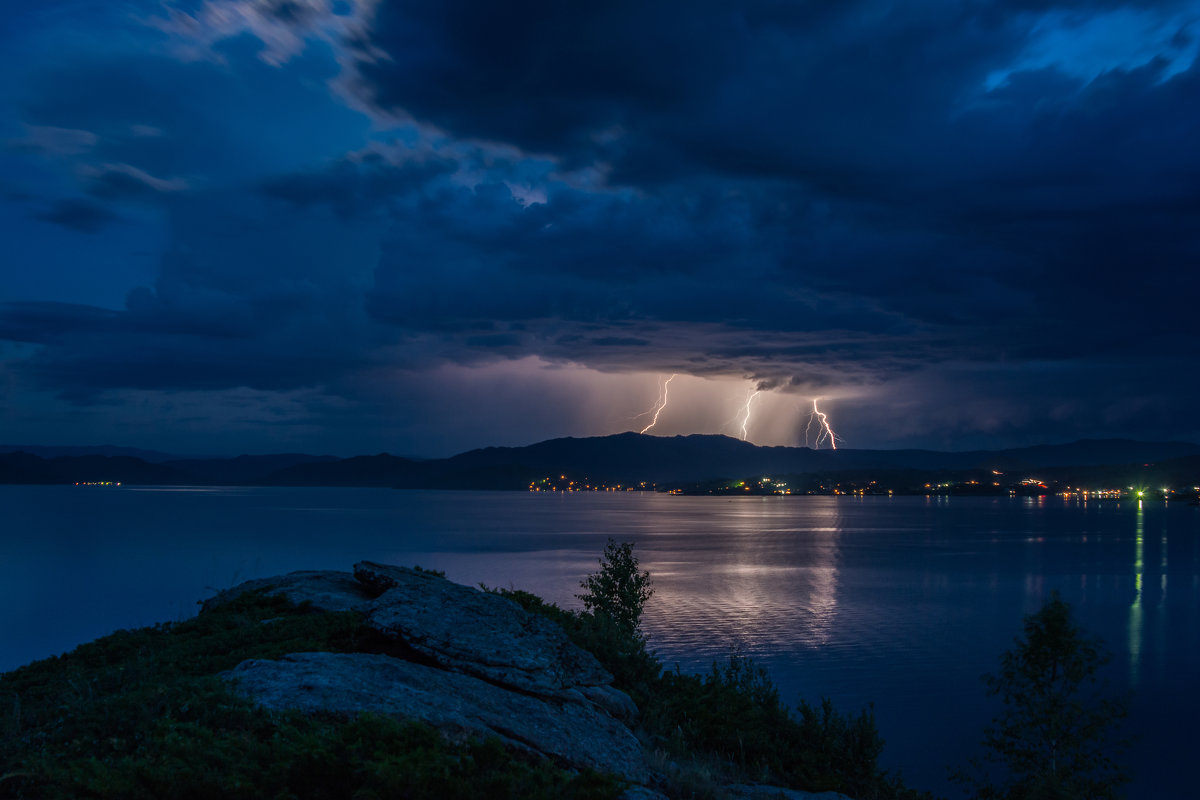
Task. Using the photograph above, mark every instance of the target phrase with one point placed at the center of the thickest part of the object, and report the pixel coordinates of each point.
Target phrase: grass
(142, 714)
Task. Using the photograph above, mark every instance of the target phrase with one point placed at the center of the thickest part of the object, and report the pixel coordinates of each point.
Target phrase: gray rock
(475, 632)
(642, 793)
(378, 578)
(324, 590)
(758, 791)
(612, 700)
(347, 683)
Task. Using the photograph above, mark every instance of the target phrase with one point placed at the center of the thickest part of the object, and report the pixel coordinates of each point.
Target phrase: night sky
(419, 227)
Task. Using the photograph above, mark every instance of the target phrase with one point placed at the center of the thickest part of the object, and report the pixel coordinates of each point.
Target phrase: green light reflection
(1135, 611)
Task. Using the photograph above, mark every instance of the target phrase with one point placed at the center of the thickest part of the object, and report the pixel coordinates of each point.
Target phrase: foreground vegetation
(143, 714)
(728, 725)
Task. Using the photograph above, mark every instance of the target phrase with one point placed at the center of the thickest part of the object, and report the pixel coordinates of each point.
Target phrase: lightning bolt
(652, 409)
(746, 411)
(659, 404)
(824, 432)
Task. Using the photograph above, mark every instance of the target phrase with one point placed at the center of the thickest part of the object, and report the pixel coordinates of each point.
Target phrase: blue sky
(347, 227)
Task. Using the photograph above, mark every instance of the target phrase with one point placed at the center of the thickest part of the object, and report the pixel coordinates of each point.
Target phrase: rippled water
(903, 602)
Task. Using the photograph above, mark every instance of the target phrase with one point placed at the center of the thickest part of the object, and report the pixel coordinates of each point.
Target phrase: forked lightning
(824, 433)
(659, 404)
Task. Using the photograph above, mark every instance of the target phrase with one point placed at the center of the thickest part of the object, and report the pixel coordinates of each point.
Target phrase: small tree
(610, 626)
(619, 590)
(1055, 736)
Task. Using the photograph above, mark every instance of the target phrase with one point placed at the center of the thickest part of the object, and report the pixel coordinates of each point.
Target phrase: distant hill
(22, 467)
(626, 458)
(51, 451)
(28, 468)
(631, 457)
(1173, 472)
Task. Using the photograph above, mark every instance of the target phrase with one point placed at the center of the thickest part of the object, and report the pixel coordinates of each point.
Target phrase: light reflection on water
(1135, 610)
(903, 602)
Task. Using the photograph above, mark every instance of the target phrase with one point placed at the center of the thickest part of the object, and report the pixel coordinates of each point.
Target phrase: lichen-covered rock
(378, 578)
(612, 700)
(498, 669)
(476, 632)
(758, 791)
(642, 793)
(324, 590)
(576, 734)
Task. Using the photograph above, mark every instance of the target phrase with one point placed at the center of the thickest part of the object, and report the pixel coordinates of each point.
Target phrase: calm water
(903, 602)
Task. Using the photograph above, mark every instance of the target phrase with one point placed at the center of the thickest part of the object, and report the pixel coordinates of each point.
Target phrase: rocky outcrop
(576, 734)
(756, 791)
(496, 669)
(321, 590)
(479, 633)
(642, 793)
(612, 700)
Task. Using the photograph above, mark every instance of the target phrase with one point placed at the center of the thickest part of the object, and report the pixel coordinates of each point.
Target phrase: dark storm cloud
(160, 342)
(229, 121)
(865, 180)
(83, 216)
(947, 202)
(546, 76)
(45, 322)
(105, 97)
(363, 186)
(882, 101)
(466, 258)
(855, 194)
(248, 295)
(1006, 7)
(662, 89)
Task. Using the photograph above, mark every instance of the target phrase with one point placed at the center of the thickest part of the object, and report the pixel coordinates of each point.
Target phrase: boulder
(479, 633)
(323, 590)
(492, 668)
(642, 793)
(575, 734)
(612, 700)
(758, 791)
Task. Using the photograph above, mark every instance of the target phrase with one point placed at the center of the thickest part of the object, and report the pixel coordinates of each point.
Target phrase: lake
(903, 602)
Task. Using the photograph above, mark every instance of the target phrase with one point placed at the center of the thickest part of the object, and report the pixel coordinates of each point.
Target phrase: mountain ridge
(625, 458)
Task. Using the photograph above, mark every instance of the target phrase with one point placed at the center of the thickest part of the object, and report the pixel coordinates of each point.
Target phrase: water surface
(903, 602)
